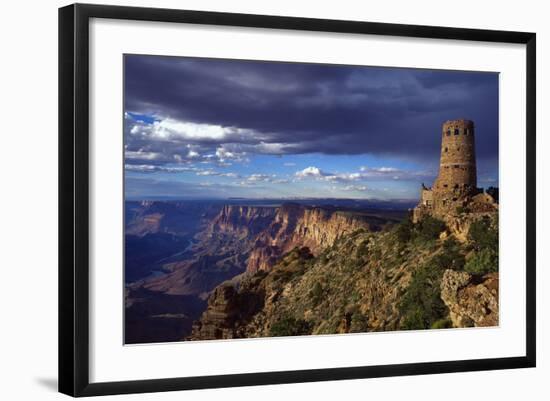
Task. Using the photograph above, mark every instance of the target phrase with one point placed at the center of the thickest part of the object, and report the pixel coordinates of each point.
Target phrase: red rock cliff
(296, 225)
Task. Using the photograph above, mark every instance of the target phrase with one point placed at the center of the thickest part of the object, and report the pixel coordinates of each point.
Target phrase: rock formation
(363, 281)
(296, 226)
(472, 301)
(251, 238)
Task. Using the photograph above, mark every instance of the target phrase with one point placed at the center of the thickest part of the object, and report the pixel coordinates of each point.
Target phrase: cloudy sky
(207, 128)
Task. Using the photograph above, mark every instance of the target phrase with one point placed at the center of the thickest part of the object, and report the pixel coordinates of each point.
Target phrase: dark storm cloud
(310, 107)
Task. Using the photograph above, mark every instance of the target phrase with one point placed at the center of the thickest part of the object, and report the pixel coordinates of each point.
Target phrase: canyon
(178, 256)
(256, 269)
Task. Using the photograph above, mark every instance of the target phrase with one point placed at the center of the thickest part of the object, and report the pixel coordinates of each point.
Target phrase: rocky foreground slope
(406, 277)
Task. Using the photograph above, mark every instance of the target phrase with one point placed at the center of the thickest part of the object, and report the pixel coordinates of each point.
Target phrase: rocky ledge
(472, 300)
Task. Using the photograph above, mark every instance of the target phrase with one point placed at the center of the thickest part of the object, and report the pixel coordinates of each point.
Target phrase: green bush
(316, 294)
(482, 262)
(483, 238)
(289, 326)
(363, 249)
(323, 257)
(359, 323)
(403, 231)
(451, 257)
(429, 228)
(414, 319)
(462, 209)
(442, 324)
(421, 305)
(482, 235)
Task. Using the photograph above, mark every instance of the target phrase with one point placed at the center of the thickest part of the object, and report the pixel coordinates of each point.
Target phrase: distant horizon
(158, 198)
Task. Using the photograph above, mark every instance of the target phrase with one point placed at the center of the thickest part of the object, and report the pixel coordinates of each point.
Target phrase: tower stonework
(457, 167)
(456, 184)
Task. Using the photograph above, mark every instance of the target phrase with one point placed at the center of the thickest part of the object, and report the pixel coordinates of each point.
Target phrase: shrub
(403, 231)
(289, 326)
(484, 240)
(442, 324)
(482, 262)
(421, 305)
(363, 249)
(430, 228)
(323, 257)
(451, 257)
(482, 235)
(376, 253)
(414, 319)
(316, 294)
(359, 323)
(462, 209)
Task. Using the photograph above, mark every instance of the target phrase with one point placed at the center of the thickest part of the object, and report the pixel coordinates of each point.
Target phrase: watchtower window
(457, 131)
(446, 149)
(445, 185)
(456, 186)
(448, 132)
(465, 131)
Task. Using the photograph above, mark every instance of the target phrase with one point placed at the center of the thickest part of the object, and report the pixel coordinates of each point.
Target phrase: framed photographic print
(249, 199)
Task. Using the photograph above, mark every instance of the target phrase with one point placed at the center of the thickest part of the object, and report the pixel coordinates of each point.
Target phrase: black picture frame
(74, 202)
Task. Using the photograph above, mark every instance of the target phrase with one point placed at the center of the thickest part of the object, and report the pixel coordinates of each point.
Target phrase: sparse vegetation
(421, 305)
(483, 235)
(451, 256)
(429, 228)
(363, 249)
(403, 230)
(316, 294)
(289, 326)
(368, 281)
(460, 210)
(483, 238)
(359, 323)
(482, 262)
(442, 324)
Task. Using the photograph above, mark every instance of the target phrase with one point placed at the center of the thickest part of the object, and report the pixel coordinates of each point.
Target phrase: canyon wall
(251, 238)
(298, 226)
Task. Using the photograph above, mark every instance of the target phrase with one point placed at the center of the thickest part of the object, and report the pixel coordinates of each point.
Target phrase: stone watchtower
(456, 182)
(457, 167)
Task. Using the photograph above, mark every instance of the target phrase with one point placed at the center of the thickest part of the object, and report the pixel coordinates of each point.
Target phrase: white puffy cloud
(169, 129)
(311, 171)
(318, 174)
(365, 174)
(225, 154)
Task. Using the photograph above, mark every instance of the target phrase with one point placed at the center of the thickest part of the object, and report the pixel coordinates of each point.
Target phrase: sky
(197, 128)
